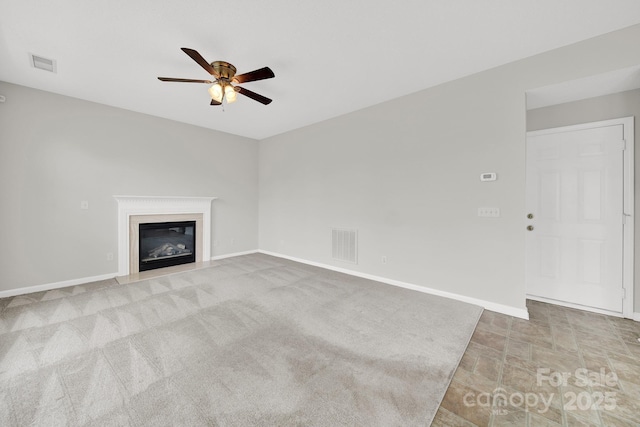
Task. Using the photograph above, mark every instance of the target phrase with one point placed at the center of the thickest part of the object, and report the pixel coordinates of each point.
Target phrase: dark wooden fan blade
(253, 95)
(252, 76)
(214, 102)
(200, 60)
(171, 79)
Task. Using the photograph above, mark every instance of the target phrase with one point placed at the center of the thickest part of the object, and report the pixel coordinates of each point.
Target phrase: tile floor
(563, 367)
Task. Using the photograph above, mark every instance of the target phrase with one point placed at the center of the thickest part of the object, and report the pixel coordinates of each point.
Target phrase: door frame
(628, 211)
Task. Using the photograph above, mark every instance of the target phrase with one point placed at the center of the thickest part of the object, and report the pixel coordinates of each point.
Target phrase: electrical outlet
(109, 256)
(383, 259)
(489, 212)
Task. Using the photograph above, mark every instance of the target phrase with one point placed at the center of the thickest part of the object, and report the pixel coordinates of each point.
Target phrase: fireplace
(134, 211)
(163, 244)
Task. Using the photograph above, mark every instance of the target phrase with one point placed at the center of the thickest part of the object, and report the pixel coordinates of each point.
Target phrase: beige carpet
(253, 340)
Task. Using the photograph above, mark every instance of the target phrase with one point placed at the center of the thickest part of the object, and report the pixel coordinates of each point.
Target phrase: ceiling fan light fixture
(230, 94)
(216, 92)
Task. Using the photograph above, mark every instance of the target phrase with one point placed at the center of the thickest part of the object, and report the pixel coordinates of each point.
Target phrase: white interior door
(575, 195)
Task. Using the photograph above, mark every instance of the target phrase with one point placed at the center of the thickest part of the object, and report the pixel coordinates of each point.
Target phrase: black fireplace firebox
(163, 244)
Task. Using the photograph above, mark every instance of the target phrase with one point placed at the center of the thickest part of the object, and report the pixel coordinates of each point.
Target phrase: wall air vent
(344, 245)
(43, 63)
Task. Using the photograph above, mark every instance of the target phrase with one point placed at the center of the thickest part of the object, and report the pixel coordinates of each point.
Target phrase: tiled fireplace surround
(134, 210)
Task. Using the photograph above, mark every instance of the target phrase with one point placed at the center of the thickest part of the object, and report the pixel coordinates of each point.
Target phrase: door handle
(530, 227)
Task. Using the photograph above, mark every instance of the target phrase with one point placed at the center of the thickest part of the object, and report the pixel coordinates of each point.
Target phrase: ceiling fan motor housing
(224, 69)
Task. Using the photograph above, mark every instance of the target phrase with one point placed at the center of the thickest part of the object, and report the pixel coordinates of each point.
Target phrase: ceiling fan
(225, 74)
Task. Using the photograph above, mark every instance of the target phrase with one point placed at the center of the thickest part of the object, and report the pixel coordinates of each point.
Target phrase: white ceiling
(330, 57)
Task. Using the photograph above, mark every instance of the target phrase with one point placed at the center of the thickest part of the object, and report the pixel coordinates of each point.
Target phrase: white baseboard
(636, 317)
(56, 285)
(219, 257)
(500, 308)
(80, 281)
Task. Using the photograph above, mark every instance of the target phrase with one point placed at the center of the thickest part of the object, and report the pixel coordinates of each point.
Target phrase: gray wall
(406, 175)
(624, 104)
(56, 151)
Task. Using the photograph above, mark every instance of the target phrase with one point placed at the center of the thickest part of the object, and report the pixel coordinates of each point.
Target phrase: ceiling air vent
(43, 63)
(344, 245)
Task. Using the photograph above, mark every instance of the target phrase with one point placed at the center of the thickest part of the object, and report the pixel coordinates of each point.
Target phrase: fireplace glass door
(163, 244)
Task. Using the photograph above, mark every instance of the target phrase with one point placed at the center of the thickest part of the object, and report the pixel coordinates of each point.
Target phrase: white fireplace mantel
(159, 205)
